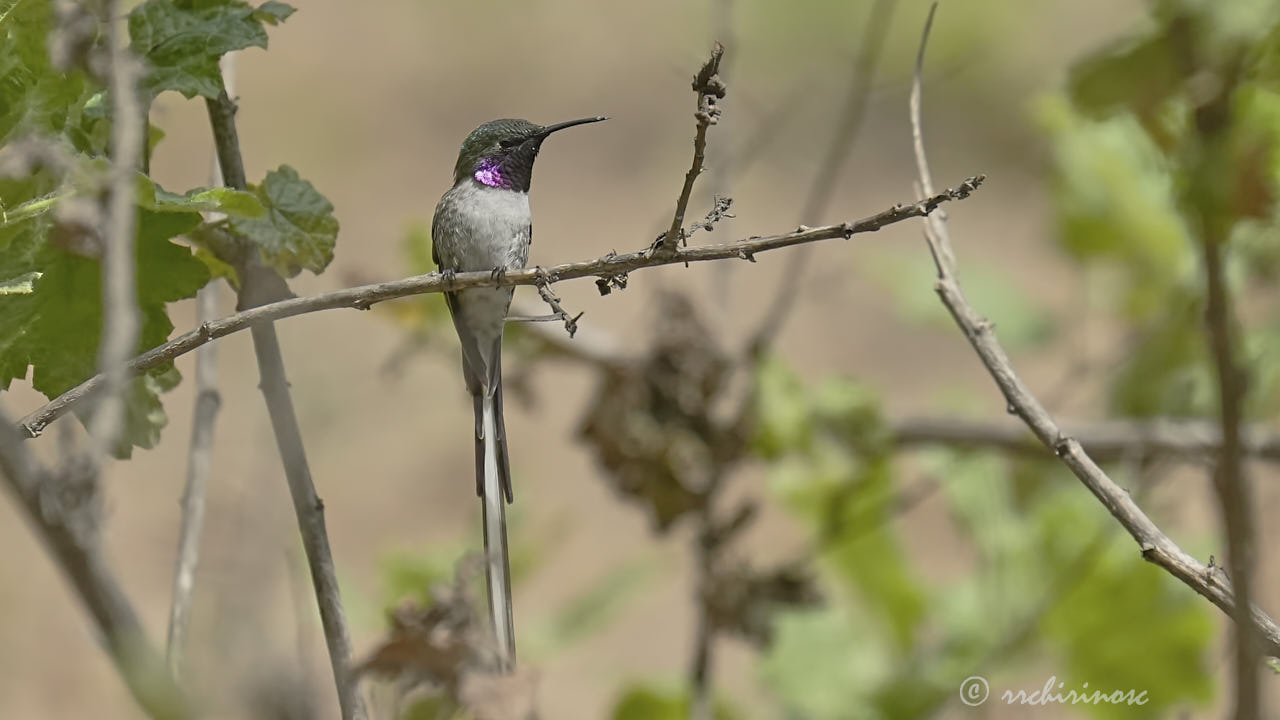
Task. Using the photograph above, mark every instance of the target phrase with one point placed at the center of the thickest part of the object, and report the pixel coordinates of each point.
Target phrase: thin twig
(199, 462)
(120, 317)
(720, 206)
(260, 284)
(1213, 116)
(558, 312)
(200, 452)
(706, 550)
(721, 153)
(362, 297)
(709, 89)
(1155, 545)
(591, 346)
(1229, 477)
(64, 510)
(870, 49)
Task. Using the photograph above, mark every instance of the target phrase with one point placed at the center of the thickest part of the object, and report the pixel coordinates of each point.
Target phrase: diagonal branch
(1155, 545)
(362, 297)
(260, 284)
(64, 510)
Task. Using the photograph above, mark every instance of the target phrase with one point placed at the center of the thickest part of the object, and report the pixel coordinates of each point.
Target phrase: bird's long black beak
(542, 134)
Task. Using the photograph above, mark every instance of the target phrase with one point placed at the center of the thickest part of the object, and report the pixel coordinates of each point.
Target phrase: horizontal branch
(610, 268)
(1105, 441)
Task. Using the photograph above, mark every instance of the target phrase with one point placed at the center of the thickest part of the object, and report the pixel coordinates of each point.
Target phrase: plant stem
(262, 285)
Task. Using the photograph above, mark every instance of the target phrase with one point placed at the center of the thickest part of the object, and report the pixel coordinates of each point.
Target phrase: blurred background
(937, 563)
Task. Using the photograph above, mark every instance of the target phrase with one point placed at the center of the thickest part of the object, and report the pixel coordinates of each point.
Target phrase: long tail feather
(504, 460)
(497, 563)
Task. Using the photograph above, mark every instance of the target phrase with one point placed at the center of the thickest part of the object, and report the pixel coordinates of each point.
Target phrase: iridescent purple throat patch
(490, 173)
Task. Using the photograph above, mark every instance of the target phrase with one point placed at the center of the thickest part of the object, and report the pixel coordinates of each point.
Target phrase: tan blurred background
(369, 101)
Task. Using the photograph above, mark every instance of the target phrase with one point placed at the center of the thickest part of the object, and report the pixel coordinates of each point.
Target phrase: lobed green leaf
(56, 327)
(183, 40)
(298, 229)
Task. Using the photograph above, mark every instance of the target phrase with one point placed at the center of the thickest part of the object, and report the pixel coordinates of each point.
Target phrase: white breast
(478, 227)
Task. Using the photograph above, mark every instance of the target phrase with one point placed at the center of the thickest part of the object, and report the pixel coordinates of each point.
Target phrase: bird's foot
(498, 274)
(449, 275)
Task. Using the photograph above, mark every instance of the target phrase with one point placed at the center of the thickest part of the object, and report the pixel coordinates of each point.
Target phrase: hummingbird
(483, 223)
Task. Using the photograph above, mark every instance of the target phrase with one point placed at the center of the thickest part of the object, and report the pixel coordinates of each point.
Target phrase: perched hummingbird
(483, 223)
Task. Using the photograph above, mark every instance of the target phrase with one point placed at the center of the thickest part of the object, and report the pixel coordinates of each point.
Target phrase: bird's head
(500, 153)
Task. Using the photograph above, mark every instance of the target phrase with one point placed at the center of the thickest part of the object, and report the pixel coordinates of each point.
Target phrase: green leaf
(863, 549)
(1265, 68)
(1117, 201)
(236, 203)
(23, 284)
(435, 706)
(56, 328)
(1167, 372)
(35, 98)
(183, 40)
(783, 420)
(831, 465)
(824, 662)
(1020, 319)
(30, 208)
(274, 12)
(216, 267)
(1162, 635)
(1138, 76)
(412, 576)
(154, 135)
(298, 229)
(646, 702)
(1252, 180)
(590, 610)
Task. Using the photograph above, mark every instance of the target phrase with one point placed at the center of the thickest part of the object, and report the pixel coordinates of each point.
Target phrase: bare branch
(362, 297)
(1155, 545)
(709, 88)
(558, 312)
(200, 452)
(64, 511)
(120, 325)
(261, 284)
(706, 551)
(1234, 493)
(199, 462)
